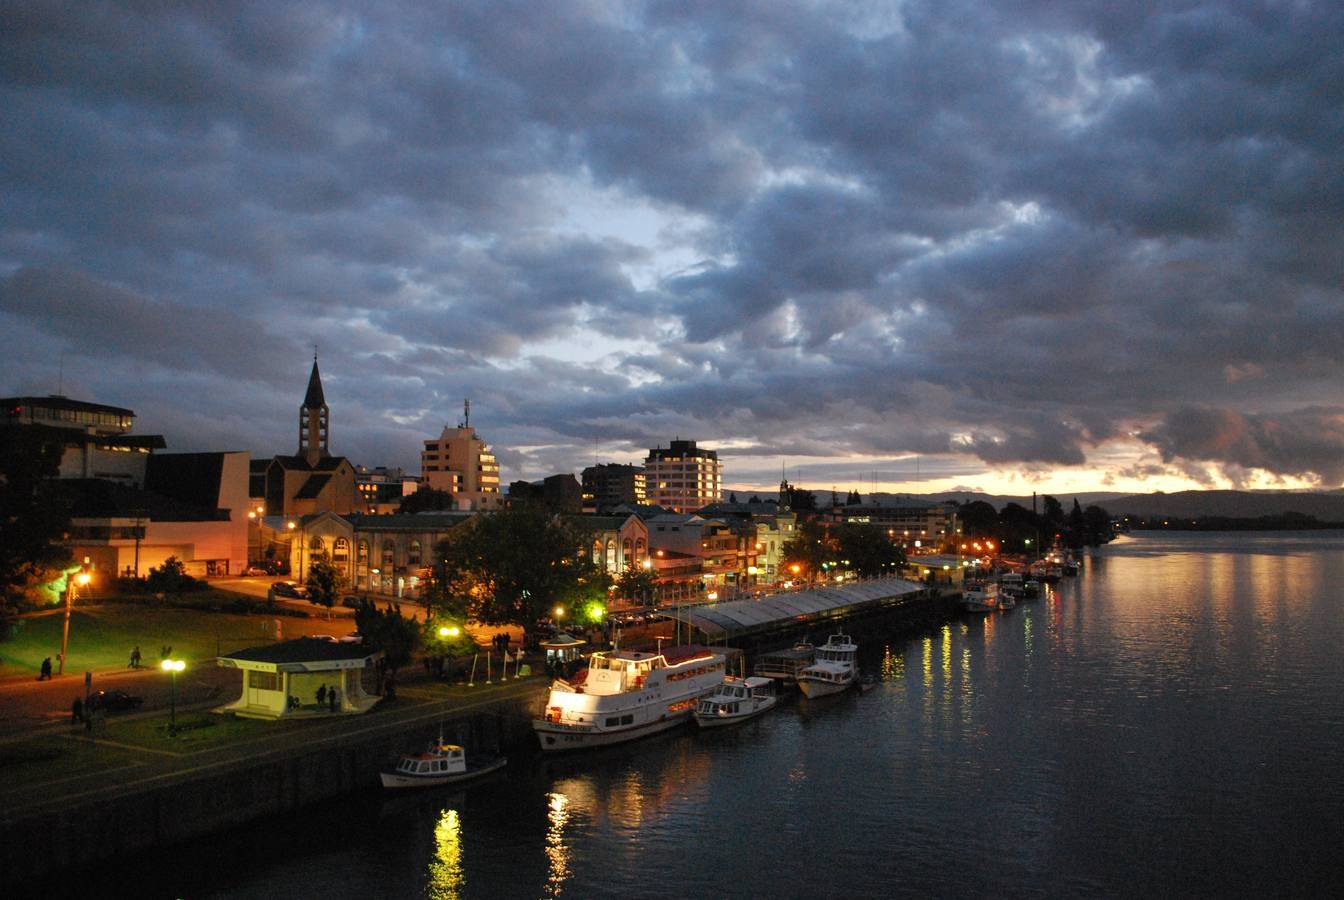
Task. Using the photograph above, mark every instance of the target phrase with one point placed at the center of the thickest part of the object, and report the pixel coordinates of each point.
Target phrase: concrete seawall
(180, 806)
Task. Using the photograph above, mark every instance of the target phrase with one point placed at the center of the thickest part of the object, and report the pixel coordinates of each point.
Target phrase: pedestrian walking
(321, 694)
(332, 698)
(76, 711)
(135, 657)
(44, 673)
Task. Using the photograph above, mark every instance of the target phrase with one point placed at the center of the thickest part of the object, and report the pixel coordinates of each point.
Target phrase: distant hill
(1327, 506)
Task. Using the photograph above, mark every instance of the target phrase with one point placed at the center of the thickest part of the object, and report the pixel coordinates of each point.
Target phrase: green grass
(101, 637)
(195, 731)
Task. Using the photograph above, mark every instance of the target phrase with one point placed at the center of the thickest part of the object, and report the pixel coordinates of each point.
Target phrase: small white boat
(736, 700)
(440, 764)
(835, 669)
(980, 599)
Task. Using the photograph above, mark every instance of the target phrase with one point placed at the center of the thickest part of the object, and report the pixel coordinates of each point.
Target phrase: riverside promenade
(68, 797)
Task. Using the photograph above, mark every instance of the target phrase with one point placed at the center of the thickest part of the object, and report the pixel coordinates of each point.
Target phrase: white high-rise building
(683, 477)
(461, 463)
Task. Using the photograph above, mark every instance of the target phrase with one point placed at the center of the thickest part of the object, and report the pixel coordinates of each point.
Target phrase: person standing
(332, 698)
(135, 657)
(45, 671)
(76, 711)
(321, 694)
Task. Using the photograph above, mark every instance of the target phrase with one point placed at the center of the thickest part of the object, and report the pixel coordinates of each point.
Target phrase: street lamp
(82, 579)
(173, 666)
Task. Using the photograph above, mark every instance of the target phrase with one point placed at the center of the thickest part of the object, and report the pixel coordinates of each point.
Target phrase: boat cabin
(445, 760)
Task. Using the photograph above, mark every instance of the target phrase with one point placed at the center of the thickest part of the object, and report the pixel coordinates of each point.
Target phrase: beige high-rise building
(461, 463)
(683, 478)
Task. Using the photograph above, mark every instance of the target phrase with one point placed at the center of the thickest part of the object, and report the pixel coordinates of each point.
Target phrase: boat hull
(817, 688)
(715, 721)
(401, 780)
(556, 738)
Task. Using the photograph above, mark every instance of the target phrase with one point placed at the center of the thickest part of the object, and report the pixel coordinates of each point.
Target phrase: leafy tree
(34, 512)
(515, 566)
(324, 580)
(170, 578)
(807, 550)
(637, 583)
(1096, 526)
(869, 549)
(428, 500)
(801, 500)
(444, 639)
(979, 519)
(397, 636)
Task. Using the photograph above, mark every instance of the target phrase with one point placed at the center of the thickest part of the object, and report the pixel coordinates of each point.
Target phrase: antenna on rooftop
(466, 413)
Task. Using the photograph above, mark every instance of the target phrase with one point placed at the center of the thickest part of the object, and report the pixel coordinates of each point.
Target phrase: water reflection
(557, 852)
(445, 879)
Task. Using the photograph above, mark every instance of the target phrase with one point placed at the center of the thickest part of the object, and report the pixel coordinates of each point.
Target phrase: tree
(979, 519)
(34, 512)
(444, 639)
(428, 500)
(169, 578)
(869, 550)
(637, 583)
(324, 580)
(517, 565)
(803, 555)
(388, 630)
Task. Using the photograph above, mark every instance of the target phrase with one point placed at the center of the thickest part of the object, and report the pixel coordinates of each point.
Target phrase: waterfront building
(620, 542)
(384, 555)
(609, 485)
(312, 480)
(695, 557)
(916, 524)
(683, 477)
(460, 463)
(96, 440)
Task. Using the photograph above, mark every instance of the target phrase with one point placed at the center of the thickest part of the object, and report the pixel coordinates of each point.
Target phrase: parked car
(353, 637)
(284, 589)
(115, 701)
(256, 569)
(322, 637)
(352, 602)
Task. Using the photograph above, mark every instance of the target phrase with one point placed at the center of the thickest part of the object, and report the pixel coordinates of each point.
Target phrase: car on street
(289, 589)
(256, 569)
(351, 601)
(115, 701)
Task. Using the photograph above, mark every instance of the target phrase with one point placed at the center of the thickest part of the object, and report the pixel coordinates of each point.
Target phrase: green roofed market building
(283, 680)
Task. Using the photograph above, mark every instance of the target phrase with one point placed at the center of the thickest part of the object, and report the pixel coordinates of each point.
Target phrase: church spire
(313, 420)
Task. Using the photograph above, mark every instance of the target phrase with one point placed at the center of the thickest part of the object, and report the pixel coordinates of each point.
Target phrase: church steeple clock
(313, 420)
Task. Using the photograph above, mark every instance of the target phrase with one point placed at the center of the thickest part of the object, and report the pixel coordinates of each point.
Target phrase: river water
(1168, 723)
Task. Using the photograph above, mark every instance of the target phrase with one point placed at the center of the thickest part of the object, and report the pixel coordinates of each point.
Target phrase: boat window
(422, 767)
(613, 720)
(628, 719)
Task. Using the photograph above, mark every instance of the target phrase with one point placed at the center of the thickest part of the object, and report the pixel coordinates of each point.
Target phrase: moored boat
(627, 694)
(439, 765)
(980, 598)
(836, 667)
(784, 665)
(736, 700)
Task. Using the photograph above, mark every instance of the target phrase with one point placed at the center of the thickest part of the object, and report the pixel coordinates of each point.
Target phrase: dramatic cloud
(1066, 245)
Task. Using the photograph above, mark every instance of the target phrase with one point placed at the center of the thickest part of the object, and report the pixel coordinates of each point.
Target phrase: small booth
(561, 649)
(306, 677)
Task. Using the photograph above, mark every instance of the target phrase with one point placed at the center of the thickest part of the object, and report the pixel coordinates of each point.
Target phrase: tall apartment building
(609, 485)
(461, 463)
(683, 477)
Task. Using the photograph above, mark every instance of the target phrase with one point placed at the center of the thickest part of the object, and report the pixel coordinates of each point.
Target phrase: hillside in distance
(1325, 506)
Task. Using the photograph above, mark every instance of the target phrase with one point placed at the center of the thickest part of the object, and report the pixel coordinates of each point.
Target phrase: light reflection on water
(1166, 723)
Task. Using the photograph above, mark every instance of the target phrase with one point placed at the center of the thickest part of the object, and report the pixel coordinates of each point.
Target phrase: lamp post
(173, 666)
(82, 579)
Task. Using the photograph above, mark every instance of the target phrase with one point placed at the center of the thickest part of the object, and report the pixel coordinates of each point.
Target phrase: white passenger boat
(627, 694)
(836, 667)
(440, 764)
(736, 700)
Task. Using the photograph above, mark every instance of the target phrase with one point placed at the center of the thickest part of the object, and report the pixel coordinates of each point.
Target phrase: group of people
(331, 696)
(501, 642)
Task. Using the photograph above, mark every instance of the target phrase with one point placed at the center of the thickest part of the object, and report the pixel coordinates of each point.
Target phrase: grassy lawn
(195, 731)
(101, 637)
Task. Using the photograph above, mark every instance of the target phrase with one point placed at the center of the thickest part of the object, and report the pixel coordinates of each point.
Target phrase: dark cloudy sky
(1003, 246)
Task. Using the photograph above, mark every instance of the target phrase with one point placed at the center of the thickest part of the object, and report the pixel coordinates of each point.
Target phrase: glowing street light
(447, 631)
(173, 666)
(82, 579)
